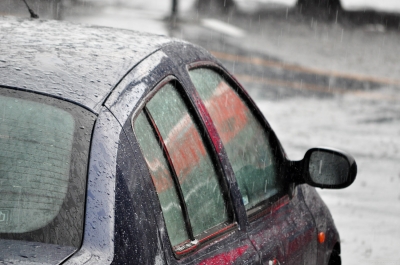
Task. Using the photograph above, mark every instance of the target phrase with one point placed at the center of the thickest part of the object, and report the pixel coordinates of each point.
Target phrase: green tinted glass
(190, 158)
(35, 152)
(162, 180)
(245, 140)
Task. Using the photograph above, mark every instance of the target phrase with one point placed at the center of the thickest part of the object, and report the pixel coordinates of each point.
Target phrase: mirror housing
(328, 168)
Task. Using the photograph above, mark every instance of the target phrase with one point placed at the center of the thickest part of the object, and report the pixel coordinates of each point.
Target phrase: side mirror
(329, 168)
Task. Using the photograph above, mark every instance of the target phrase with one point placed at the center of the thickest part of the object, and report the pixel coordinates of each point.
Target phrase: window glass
(245, 140)
(162, 180)
(190, 158)
(36, 145)
(44, 151)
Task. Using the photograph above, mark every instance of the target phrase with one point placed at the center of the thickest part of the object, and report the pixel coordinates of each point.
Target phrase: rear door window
(44, 147)
(245, 140)
(162, 179)
(184, 172)
(36, 142)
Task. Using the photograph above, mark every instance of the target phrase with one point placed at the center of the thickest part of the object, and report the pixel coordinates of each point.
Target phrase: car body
(121, 147)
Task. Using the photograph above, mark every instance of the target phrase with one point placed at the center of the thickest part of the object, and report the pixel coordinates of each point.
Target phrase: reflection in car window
(191, 162)
(162, 179)
(245, 140)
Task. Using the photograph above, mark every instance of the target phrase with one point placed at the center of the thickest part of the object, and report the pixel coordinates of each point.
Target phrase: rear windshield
(44, 146)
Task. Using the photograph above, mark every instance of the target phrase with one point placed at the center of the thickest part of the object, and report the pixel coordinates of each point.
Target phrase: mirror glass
(328, 168)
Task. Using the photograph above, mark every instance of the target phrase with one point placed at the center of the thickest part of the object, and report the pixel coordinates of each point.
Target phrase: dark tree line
(226, 5)
(319, 4)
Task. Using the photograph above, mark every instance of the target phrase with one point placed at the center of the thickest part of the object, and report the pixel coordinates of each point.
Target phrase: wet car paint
(70, 61)
(324, 223)
(123, 222)
(98, 239)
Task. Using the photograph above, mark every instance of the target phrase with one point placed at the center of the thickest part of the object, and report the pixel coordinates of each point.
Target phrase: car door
(192, 200)
(279, 223)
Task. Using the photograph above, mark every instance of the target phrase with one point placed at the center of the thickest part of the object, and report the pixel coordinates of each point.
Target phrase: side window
(186, 179)
(245, 139)
(162, 178)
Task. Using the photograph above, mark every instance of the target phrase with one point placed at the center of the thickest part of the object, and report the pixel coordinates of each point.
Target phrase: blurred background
(324, 73)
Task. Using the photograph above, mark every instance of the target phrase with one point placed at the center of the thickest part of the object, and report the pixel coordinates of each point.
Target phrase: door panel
(286, 232)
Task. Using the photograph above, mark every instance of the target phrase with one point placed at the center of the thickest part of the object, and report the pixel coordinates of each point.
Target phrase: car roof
(78, 63)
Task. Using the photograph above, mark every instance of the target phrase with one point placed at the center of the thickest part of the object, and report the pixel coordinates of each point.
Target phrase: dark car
(120, 147)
